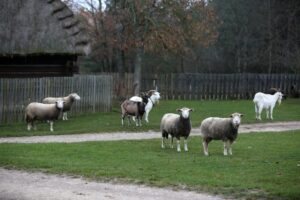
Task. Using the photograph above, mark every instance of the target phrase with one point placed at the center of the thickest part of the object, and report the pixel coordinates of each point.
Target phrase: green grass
(111, 122)
(263, 165)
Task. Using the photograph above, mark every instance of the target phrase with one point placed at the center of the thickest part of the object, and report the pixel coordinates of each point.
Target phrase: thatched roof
(40, 26)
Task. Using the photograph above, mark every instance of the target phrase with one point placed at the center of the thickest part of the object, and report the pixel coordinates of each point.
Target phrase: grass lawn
(263, 165)
(111, 122)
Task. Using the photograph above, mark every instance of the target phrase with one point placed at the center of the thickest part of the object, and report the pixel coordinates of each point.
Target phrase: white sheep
(177, 126)
(69, 100)
(153, 98)
(40, 111)
(266, 101)
(225, 129)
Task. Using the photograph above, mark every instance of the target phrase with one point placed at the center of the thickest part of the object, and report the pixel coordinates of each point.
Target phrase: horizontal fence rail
(15, 94)
(199, 86)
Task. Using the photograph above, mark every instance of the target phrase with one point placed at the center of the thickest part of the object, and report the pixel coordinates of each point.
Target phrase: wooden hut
(39, 38)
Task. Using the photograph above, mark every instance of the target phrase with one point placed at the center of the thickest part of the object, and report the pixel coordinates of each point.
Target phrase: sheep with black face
(176, 125)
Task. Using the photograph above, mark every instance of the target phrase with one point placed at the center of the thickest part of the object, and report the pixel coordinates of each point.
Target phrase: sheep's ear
(191, 110)
(241, 115)
(178, 110)
(231, 115)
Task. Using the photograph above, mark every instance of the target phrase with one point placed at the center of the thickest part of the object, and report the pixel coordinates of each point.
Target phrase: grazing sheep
(67, 106)
(177, 126)
(266, 101)
(134, 108)
(153, 98)
(40, 111)
(215, 128)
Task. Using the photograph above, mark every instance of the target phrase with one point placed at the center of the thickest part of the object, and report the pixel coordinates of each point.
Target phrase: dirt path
(246, 128)
(21, 185)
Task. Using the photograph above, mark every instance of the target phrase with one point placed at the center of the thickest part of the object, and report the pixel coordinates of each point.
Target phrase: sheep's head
(236, 119)
(185, 112)
(59, 104)
(75, 96)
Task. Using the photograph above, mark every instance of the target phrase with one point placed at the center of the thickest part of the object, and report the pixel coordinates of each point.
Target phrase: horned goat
(134, 108)
(153, 98)
(266, 101)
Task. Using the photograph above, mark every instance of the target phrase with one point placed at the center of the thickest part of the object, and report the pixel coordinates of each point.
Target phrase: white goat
(266, 101)
(153, 98)
(40, 111)
(69, 100)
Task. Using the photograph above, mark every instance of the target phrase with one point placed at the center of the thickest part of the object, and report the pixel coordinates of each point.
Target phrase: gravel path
(21, 185)
(246, 128)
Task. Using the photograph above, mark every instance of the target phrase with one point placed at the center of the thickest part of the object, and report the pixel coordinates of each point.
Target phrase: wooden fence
(95, 92)
(210, 86)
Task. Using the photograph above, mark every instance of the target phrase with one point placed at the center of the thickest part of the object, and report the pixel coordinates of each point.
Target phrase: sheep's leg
(205, 147)
(171, 142)
(178, 145)
(65, 116)
(51, 126)
(225, 148)
(164, 135)
(185, 145)
(162, 142)
(229, 147)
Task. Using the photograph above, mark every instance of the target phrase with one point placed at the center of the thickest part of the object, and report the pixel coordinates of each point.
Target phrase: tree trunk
(121, 74)
(137, 77)
(270, 38)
